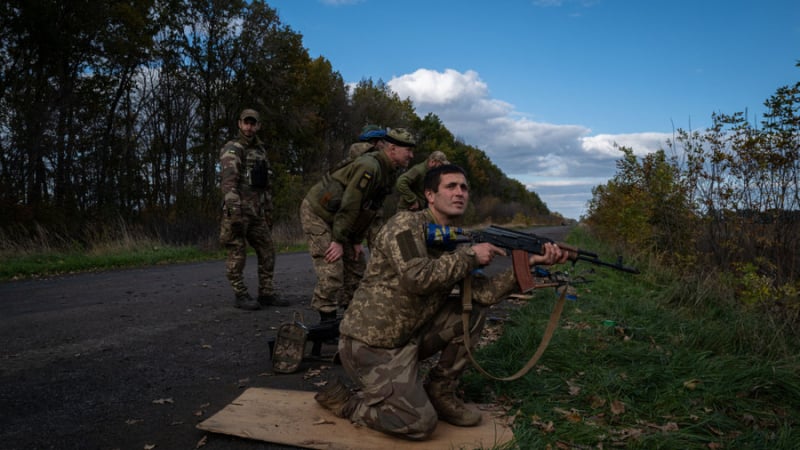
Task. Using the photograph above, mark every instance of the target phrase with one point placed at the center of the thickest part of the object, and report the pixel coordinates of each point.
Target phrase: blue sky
(546, 87)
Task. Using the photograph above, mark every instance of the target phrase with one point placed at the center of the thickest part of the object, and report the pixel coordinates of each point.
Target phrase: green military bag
(290, 345)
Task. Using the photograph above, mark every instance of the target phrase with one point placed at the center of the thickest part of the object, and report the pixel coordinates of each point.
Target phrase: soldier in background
(369, 137)
(247, 213)
(338, 211)
(367, 142)
(402, 314)
(411, 184)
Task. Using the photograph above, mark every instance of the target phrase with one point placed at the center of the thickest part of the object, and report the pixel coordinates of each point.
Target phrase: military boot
(272, 300)
(244, 301)
(450, 408)
(336, 398)
(327, 316)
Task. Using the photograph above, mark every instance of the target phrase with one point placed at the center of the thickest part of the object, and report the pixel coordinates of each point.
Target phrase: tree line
(115, 110)
(721, 203)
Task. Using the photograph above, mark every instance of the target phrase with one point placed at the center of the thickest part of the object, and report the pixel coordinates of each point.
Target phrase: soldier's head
(249, 122)
(447, 192)
(437, 159)
(398, 144)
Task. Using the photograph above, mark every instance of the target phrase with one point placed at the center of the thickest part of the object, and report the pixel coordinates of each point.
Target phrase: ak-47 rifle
(520, 244)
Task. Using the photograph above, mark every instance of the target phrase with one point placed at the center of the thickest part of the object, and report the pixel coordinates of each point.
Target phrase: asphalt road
(135, 359)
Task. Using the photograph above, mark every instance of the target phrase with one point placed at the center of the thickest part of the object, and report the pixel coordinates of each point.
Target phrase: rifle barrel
(617, 266)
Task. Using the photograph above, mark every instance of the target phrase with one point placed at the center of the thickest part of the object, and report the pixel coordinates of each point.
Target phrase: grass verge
(34, 265)
(631, 367)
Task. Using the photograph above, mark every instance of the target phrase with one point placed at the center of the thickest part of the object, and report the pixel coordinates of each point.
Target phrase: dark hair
(434, 176)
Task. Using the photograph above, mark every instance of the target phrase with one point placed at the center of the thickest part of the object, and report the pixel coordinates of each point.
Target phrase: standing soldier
(337, 213)
(247, 212)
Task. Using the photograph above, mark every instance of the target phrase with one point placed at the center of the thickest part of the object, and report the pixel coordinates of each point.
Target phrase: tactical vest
(256, 167)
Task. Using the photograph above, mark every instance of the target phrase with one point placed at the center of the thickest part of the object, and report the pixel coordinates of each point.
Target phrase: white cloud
(561, 163)
(442, 88)
(641, 143)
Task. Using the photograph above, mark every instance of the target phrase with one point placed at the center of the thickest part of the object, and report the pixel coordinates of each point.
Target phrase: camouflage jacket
(349, 198)
(245, 177)
(411, 186)
(406, 282)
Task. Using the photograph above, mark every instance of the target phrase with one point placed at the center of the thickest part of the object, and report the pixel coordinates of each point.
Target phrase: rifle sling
(466, 310)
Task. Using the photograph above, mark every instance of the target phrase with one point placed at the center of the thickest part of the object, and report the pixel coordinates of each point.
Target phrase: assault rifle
(521, 245)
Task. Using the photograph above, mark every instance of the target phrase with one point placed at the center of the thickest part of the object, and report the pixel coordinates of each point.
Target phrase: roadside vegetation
(47, 253)
(645, 362)
(700, 351)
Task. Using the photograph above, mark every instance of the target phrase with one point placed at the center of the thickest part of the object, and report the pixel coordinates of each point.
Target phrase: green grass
(34, 265)
(30, 258)
(52, 263)
(664, 376)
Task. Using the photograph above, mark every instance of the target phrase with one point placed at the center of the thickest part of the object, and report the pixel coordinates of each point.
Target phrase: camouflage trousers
(258, 233)
(336, 281)
(392, 397)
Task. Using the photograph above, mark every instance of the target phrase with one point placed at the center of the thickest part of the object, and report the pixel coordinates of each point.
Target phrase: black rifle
(521, 245)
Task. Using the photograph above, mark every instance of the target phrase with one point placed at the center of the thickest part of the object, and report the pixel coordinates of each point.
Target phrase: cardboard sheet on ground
(294, 418)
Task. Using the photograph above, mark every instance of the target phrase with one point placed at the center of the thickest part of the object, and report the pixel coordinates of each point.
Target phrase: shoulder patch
(365, 180)
(408, 249)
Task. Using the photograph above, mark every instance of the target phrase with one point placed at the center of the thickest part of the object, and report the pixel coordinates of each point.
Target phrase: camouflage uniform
(370, 134)
(340, 208)
(401, 314)
(357, 149)
(411, 187)
(411, 184)
(245, 183)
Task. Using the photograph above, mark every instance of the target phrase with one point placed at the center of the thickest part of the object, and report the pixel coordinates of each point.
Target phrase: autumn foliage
(725, 200)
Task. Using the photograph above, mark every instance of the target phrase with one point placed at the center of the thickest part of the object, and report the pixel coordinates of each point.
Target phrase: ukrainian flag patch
(365, 180)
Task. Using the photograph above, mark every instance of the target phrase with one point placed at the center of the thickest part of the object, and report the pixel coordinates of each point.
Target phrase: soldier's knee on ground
(426, 424)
